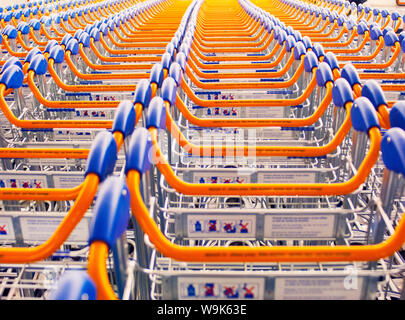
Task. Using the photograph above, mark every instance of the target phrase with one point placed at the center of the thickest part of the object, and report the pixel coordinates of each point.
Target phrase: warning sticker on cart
(41, 228)
(28, 182)
(221, 178)
(295, 226)
(6, 229)
(318, 288)
(220, 288)
(221, 226)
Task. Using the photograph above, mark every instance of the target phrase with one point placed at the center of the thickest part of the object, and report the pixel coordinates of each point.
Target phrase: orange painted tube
(259, 151)
(61, 234)
(259, 122)
(97, 269)
(50, 124)
(256, 254)
(64, 104)
(246, 103)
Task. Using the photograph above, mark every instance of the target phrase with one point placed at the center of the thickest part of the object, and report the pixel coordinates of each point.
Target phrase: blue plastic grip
(181, 59)
(176, 73)
(364, 115)
(375, 33)
(349, 72)
(342, 93)
(102, 156)
(66, 38)
(125, 118)
(318, 49)
(39, 64)
(169, 90)
(74, 285)
(397, 115)
(307, 42)
(156, 74)
(95, 34)
(393, 150)
(23, 27)
(85, 39)
(11, 61)
(310, 61)
(57, 54)
(330, 58)
(12, 77)
(156, 114)
(323, 74)
(111, 212)
(299, 50)
(143, 93)
(139, 155)
(170, 49)
(373, 92)
(10, 32)
(73, 46)
(166, 60)
(289, 43)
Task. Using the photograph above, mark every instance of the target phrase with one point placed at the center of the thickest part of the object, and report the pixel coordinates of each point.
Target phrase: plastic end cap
(12, 77)
(11, 61)
(125, 118)
(364, 116)
(176, 73)
(169, 90)
(393, 150)
(397, 115)
(139, 153)
(318, 49)
(349, 72)
(373, 92)
(39, 64)
(390, 38)
(143, 93)
(84, 39)
(166, 60)
(299, 50)
(323, 74)
(73, 46)
(33, 52)
(310, 61)
(74, 285)
(330, 58)
(289, 43)
(57, 54)
(156, 74)
(102, 156)
(66, 38)
(181, 59)
(156, 115)
(342, 93)
(111, 212)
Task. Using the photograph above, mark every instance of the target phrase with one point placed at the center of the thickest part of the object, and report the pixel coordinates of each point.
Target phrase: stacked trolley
(246, 149)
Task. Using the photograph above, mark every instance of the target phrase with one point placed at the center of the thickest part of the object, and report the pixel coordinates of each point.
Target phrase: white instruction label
(318, 288)
(220, 288)
(263, 112)
(68, 181)
(41, 229)
(295, 226)
(286, 177)
(6, 229)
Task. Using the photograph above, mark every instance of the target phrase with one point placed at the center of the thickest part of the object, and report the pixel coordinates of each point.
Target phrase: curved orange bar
(61, 234)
